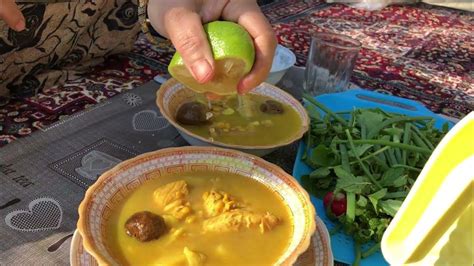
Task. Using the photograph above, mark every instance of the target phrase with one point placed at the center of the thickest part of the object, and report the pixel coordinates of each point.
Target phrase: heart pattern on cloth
(42, 214)
(149, 120)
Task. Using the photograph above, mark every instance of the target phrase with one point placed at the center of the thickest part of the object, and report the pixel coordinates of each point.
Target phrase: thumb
(185, 31)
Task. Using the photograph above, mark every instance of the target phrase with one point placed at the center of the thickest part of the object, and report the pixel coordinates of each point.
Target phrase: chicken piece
(172, 199)
(216, 203)
(229, 221)
(237, 219)
(182, 211)
(268, 222)
(178, 233)
(194, 258)
(191, 219)
(171, 192)
(170, 220)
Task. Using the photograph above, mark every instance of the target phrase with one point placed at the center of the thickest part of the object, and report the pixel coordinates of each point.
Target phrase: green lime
(234, 55)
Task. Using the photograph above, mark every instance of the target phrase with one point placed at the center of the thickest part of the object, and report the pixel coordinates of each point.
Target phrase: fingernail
(201, 70)
(20, 25)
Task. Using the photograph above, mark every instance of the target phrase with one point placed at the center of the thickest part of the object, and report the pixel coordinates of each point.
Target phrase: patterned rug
(418, 52)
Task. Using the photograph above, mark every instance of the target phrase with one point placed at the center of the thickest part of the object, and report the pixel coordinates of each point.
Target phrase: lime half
(234, 55)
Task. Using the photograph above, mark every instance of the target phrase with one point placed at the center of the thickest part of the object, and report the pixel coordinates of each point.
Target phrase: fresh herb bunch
(365, 162)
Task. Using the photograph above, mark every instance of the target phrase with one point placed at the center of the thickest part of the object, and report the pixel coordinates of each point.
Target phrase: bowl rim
(169, 117)
(288, 51)
(90, 193)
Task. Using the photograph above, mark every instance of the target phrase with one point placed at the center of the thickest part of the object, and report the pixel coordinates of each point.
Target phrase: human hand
(11, 14)
(181, 21)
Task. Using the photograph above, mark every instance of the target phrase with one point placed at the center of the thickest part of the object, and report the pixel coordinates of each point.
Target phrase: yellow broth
(282, 126)
(247, 246)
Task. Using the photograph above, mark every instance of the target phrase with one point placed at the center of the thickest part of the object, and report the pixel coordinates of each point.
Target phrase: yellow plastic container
(434, 225)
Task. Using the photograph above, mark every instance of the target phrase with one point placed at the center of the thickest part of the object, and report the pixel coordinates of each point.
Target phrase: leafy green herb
(371, 250)
(371, 156)
(376, 196)
(390, 206)
(320, 172)
(394, 177)
(358, 254)
(323, 156)
(351, 206)
(348, 182)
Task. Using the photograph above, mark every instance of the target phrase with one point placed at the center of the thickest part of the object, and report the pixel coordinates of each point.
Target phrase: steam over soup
(252, 120)
(210, 218)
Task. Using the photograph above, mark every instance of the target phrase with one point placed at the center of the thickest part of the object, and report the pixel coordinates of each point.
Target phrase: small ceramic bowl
(114, 185)
(173, 94)
(283, 60)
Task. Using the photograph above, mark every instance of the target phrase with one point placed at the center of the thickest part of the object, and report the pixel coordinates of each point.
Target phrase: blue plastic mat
(342, 244)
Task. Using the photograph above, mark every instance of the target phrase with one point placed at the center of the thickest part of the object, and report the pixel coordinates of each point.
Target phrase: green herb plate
(343, 245)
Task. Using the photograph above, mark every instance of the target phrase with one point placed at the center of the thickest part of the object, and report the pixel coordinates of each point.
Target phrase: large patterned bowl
(114, 185)
(173, 94)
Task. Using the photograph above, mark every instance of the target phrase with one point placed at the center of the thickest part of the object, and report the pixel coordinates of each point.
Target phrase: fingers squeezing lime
(234, 55)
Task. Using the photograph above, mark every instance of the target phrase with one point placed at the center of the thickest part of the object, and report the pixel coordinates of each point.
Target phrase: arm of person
(181, 21)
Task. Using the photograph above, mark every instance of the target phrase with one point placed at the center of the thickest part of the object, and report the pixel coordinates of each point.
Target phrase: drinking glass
(330, 63)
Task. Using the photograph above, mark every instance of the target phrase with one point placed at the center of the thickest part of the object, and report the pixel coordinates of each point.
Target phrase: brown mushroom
(145, 226)
(192, 113)
(272, 107)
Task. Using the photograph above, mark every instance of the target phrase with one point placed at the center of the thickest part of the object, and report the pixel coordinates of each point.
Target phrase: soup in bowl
(257, 123)
(196, 206)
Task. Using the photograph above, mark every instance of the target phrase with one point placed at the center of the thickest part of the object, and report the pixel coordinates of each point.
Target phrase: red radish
(338, 203)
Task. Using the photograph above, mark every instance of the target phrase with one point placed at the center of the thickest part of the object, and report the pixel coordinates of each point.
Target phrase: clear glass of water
(330, 63)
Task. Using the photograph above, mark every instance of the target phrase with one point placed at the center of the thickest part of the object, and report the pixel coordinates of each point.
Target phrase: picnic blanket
(419, 52)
